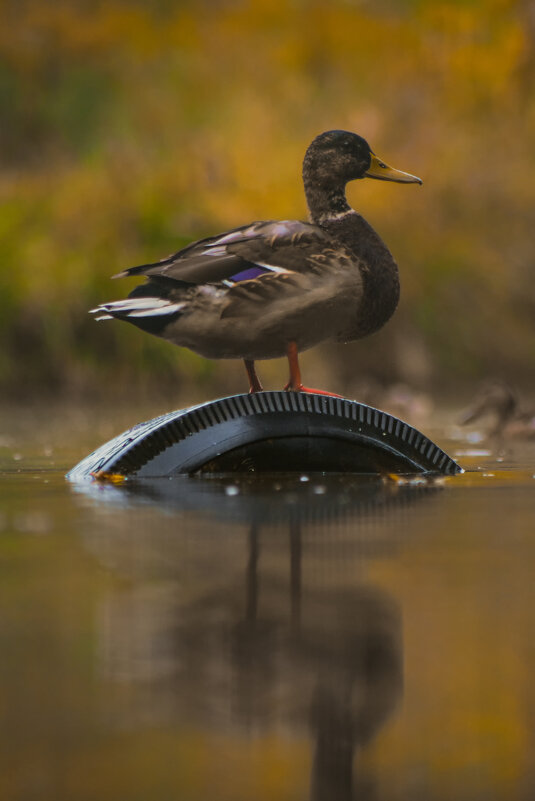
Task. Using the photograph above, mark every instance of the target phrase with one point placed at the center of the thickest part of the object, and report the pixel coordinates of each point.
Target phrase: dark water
(280, 638)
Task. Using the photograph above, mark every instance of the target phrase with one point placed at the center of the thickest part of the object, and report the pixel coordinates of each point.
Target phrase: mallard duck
(274, 288)
(497, 407)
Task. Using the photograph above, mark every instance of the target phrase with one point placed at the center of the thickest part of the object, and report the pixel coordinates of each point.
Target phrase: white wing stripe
(271, 267)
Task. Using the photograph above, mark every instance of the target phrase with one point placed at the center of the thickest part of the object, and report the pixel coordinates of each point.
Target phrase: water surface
(285, 637)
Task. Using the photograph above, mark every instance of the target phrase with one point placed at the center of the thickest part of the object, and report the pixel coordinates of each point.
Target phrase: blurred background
(131, 128)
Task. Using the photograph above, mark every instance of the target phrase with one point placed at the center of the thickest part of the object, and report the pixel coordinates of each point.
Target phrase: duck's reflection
(284, 633)
(342, 661)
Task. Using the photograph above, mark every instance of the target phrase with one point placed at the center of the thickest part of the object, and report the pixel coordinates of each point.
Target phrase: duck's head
(336, 157)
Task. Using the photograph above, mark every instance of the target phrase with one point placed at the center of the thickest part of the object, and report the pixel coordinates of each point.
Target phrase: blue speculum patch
(246, 275)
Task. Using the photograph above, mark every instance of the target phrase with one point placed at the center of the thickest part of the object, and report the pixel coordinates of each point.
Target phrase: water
(284, 638)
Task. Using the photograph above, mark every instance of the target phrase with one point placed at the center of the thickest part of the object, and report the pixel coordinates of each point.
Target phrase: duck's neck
(326, 200)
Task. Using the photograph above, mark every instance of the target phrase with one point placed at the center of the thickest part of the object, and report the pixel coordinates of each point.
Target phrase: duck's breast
(379, 271)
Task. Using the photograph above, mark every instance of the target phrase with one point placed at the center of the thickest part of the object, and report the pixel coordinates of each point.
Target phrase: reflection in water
(359, 681)
(285, 635)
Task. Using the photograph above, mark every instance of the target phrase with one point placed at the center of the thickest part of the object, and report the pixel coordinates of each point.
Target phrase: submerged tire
(269, 432)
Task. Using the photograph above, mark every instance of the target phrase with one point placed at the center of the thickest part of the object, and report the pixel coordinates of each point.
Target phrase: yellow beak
(378, 169)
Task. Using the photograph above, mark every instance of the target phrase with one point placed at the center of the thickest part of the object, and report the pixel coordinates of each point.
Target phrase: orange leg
(294, 384)
(254, 381)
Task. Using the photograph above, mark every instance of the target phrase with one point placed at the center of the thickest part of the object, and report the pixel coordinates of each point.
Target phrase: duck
(274, 288)
(496, 406)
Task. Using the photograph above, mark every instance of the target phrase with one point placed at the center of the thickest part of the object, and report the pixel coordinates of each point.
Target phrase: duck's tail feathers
(137, 307)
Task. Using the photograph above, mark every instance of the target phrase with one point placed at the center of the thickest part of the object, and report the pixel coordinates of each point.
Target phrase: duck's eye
(382, 164)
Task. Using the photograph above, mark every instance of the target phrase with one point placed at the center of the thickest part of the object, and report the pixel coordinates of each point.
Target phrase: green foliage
(135, 127)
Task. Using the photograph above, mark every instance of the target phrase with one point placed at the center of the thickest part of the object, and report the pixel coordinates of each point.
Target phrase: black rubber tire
(269, 432)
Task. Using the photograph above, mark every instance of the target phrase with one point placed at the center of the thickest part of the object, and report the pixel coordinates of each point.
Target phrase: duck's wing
(240, 272)
(309, 267)
(249, 252)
